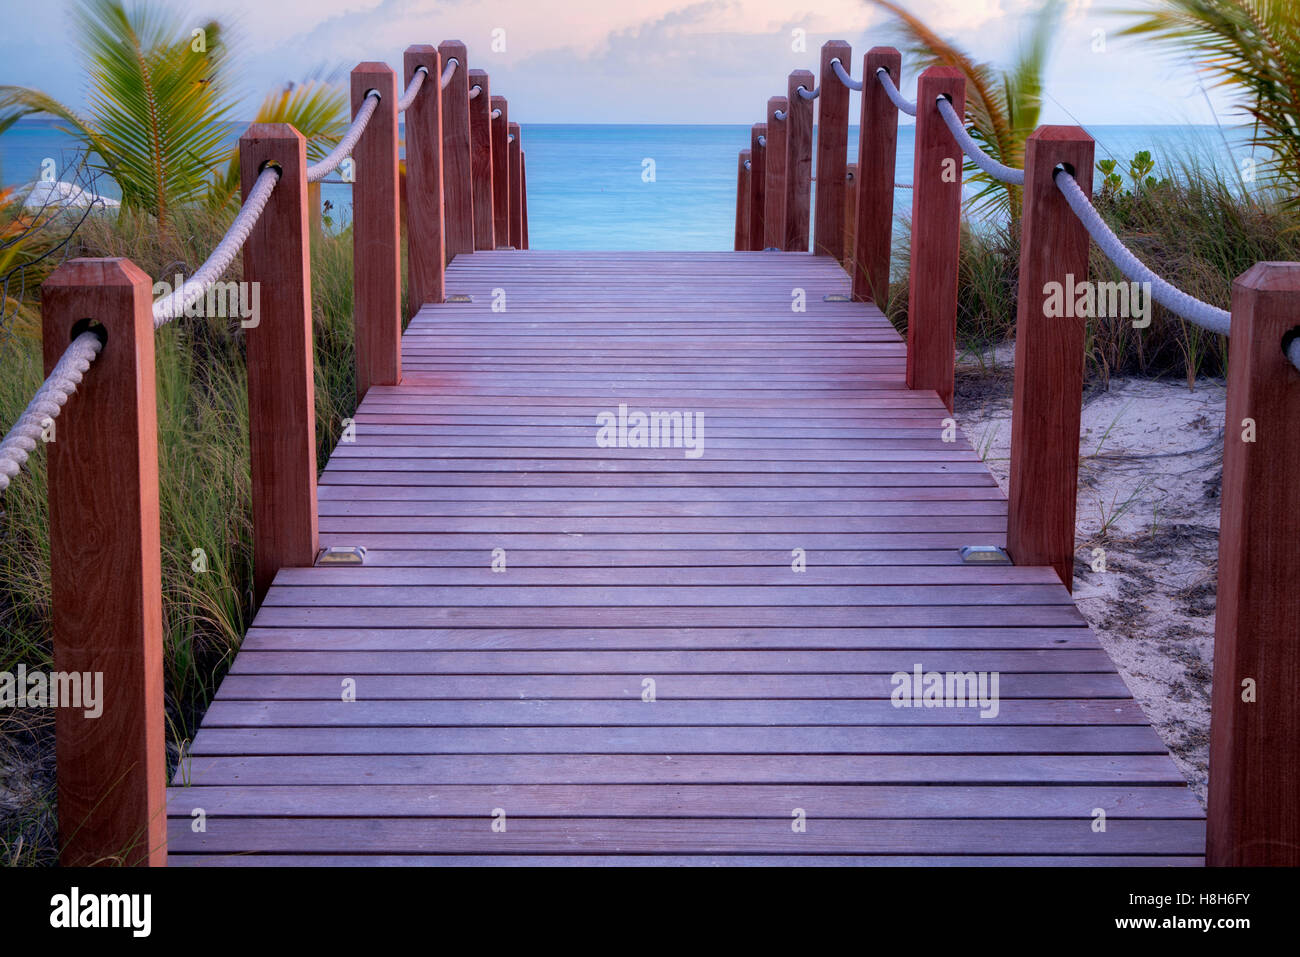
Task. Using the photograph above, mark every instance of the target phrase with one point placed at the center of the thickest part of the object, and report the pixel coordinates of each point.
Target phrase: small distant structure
(59, 195)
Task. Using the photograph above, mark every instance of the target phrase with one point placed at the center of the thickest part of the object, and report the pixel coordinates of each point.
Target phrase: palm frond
(1251, 47)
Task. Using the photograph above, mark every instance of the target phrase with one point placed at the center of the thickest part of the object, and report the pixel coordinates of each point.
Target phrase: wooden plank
(281, 370)
(376, 240)
(458, 165)
(481, 157)
(710, 836)
(1255, 731)
(105, 577)
(1131, 770)
(679, 860)
(720, 801)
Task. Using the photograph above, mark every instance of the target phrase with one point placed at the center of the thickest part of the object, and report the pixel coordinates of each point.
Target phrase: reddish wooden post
(1049, 357)
(523, 193)
(500, 171)
(516, 188)
(877, 155)
(774, 170)
(426, 257)
(376, 241)
(1254, 806)
(105, 575)
(850, 213)
(281, 389)
(480, 134)
(798, 163)
(757, 183)
(457, 174)
(742, 202)
(832, 151)
(936, 236)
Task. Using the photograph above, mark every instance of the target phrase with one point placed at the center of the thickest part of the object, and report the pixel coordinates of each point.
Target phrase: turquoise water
(588, 188)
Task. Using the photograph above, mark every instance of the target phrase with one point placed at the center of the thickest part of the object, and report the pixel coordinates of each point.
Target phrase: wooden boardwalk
(484, 693)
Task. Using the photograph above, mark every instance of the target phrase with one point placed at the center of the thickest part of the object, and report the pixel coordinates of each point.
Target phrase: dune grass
(1199, 229)
(204, 491)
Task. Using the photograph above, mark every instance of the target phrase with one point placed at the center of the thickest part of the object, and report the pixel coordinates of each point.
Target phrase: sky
(644, 61)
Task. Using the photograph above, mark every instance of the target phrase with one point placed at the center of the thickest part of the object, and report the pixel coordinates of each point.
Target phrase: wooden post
(376, 240)
(281, 389)
(516, 188)
(314, 210)
(480, 134)
(1254, 805)
(105, 575)
(457, 174)
(500, 171)
(850, 214)
(1049, 357)
(757, 183)
(523, 193)
(832, 151)
(936, 237)
(774, 170)
(742, 202)
(798, 163)
(426, 257)
(877, 154)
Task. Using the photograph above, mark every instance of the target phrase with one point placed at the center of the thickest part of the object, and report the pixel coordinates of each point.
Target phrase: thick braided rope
(329, 164)
(46, 405)
(988, 164)
(808, 94)
(448, 72)
(907, 106)
(170, 307)
(1175, 300)
(412, 88)
(843, 74)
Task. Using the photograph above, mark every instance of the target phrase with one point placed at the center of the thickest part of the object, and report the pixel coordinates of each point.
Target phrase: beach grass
(204, 492)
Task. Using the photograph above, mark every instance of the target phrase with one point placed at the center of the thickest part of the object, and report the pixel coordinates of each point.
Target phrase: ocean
(591, 187)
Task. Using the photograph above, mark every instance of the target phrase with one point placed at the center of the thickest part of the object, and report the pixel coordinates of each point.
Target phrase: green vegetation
(158, 115)
(1197, 225)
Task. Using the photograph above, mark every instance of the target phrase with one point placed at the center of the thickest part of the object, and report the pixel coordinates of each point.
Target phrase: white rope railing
(448, 72)
(329, 164)
(172, 306)
(474, 91)
(46, 405)
(762, 141)
(808, 94)
(747, 162)
(778, 114)
(907, 106)
(412, 88)
(1174, 299)
(496, 114)
(1004, 174)
(843, 74)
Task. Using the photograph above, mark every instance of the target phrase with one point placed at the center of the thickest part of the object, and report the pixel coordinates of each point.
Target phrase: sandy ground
(1151, 465)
